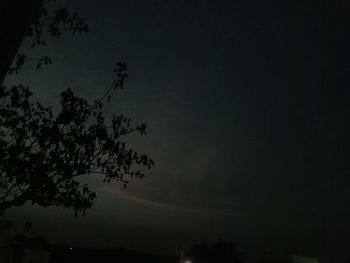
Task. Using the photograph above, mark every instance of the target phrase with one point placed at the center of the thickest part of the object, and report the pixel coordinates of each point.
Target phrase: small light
(70, 248)
(187, 261)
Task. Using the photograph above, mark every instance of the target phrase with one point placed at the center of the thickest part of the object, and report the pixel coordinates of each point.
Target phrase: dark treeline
(62, 253)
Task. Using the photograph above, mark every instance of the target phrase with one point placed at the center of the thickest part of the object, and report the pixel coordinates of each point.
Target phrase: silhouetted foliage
(43, 153)
(219, 252)
(54, 25)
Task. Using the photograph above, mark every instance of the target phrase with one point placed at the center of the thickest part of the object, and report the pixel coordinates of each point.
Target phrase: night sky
(247, 109)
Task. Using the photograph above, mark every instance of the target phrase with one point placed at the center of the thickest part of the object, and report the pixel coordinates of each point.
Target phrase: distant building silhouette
(16, 17)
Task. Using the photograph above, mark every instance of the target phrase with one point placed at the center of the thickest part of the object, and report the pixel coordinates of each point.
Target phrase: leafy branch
(43, 153)
(53, 25)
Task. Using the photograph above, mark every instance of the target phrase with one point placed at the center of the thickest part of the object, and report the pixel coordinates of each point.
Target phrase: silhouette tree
(22, 18)
(43, 153)
(53, 25)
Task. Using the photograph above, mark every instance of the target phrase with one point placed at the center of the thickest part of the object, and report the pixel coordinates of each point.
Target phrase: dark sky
(248, 115)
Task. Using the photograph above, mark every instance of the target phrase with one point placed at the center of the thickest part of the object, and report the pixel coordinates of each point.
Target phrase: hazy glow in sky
(248, 130)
